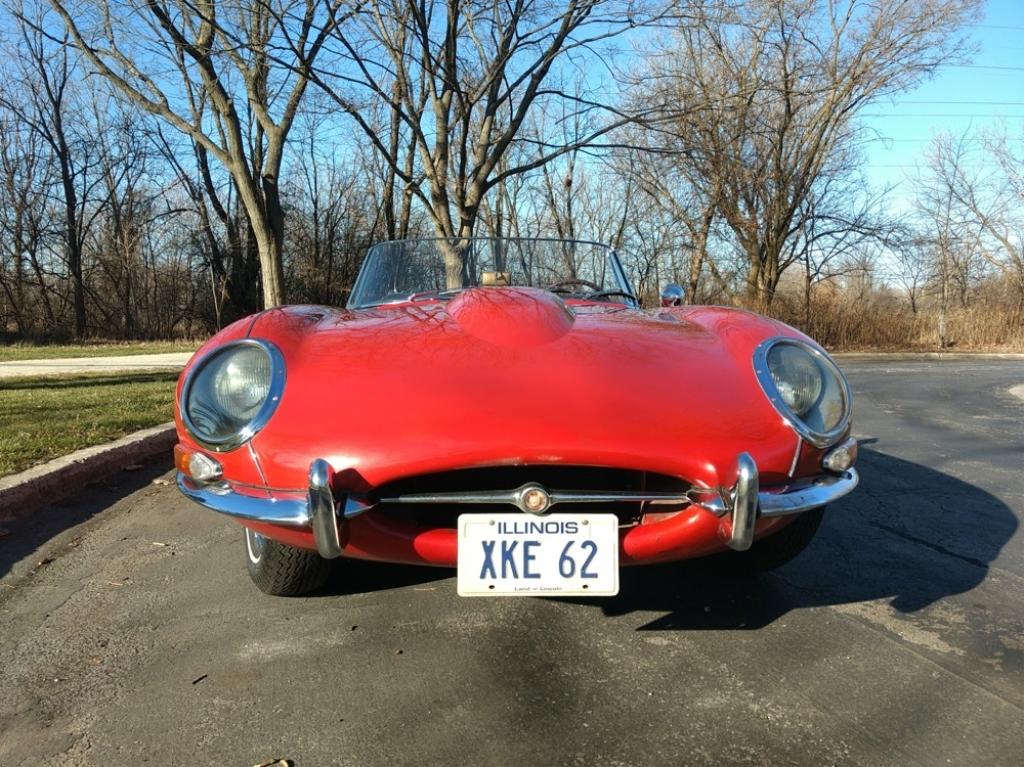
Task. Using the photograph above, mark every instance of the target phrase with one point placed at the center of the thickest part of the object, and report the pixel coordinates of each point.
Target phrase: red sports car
(506, 408)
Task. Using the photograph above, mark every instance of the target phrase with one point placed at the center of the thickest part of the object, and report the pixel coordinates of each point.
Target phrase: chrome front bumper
(745, 502)
(318, 509)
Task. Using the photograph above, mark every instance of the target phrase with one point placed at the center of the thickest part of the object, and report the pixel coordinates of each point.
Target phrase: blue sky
(984, 93)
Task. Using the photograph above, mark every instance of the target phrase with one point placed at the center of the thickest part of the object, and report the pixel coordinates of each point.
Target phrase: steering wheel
(560, 287)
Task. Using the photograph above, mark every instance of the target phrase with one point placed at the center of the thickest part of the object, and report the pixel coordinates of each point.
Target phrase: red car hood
(514, 375)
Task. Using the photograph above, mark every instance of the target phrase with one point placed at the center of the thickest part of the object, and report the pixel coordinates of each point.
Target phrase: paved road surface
(129, 633)
(168, 360)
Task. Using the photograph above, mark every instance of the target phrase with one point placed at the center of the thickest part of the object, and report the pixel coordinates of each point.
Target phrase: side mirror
(672, 295)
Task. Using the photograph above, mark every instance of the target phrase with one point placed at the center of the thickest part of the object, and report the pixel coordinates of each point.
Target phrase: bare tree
(48, 105)
(25, 180)
(842, 224)
(992, 201)
(459, 79)
(946, 229)
(667, 181)
(911, 268)
(336, 223)
(772, 89)
(228, 248)
(185, 62)
(125, 213)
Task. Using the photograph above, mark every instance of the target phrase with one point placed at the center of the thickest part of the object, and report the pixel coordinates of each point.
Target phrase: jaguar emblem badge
(533, 499)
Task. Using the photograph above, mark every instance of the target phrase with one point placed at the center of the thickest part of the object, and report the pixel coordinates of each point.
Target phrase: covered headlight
(796, 376)
(232, 392)
(806, 387)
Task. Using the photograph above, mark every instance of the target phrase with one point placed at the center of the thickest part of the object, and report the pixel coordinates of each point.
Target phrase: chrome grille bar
(554, 497)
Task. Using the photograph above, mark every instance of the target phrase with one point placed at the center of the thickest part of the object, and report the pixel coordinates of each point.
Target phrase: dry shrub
(879, 319)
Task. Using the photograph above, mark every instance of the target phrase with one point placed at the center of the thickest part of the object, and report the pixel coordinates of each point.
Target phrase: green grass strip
(15, 352)
(47, 417)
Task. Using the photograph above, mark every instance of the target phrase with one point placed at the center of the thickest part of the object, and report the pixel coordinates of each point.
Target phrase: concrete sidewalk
(165, 361)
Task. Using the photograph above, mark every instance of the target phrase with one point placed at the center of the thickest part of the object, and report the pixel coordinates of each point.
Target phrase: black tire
(283, 571)
(778, 549)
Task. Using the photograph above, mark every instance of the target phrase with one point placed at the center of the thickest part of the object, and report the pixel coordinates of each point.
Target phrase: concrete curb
(944, 356)
(21, 493)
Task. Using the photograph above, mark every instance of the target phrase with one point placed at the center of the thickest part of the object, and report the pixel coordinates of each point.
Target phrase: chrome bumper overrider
(318, 509)
(746, 502)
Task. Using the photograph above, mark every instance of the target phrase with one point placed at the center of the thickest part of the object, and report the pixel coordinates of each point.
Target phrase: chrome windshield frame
(617, 270)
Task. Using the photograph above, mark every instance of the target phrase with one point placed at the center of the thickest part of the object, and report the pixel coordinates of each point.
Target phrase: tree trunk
(74, 251)
(762, 279)
(1020, 299)
(807, 297)
(700, 252)
(943, 304)
(271, 247)
(271, 270)
(18, 298)
(72, 244)
(262, 205)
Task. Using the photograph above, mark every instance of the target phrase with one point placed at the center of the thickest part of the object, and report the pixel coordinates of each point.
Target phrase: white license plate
(521, 555)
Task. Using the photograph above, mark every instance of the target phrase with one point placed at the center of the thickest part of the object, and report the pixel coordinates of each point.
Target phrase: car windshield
(437, 268)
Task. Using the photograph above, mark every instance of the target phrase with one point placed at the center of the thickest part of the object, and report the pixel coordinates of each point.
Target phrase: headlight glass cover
(796, 376)
(231, 394)
(806, 387)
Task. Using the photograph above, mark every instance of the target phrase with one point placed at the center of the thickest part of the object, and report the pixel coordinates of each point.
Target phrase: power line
(912, 165)
(997, 26)
(941, 114)
(882, 139)
(965, 103)
(983, 66)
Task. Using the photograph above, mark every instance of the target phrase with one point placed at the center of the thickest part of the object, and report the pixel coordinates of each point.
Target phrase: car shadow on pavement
(354, 576)
(908, 534)
(30, 531)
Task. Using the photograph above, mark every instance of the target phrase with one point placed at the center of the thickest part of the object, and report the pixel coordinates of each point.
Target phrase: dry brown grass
(883, 321)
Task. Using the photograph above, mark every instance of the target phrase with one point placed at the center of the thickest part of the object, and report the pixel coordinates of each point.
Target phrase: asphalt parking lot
(130, 633)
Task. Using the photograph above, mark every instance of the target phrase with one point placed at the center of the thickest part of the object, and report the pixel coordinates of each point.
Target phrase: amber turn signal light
(197, 466)
(841, 457)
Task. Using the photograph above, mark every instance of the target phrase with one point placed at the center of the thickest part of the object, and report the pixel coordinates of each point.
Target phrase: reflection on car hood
(513, 375)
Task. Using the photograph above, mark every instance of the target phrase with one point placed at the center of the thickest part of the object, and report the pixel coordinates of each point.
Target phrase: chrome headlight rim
(764, 378)
(266, 410)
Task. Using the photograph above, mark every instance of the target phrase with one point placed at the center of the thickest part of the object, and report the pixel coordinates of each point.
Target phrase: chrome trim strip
(515, 497)
(764, 378)
(796, 455)
(744, 504)
(660, 499)
(276, 391)
(623, 278)
(324, 510)
(256, 462)
(289, 509)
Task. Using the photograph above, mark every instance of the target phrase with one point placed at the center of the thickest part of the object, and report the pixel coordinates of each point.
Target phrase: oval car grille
(438, 499)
